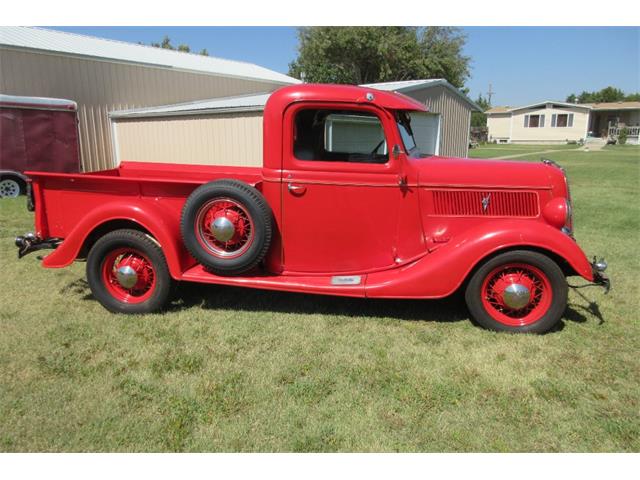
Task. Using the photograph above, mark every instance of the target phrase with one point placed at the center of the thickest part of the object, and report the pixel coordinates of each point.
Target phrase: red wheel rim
(233, 214)
(498, 297)
(131, 262)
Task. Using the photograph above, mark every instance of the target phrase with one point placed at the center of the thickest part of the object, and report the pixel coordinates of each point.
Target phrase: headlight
(558, 213)
(568, 226)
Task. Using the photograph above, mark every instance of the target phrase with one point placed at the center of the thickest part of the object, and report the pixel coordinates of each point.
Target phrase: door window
(339, 136)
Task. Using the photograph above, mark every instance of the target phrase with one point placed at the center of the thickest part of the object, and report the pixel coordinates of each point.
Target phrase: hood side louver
(484, 203)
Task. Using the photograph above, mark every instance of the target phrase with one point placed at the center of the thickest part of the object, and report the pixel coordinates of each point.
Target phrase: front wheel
(519, 291)
(128, 273)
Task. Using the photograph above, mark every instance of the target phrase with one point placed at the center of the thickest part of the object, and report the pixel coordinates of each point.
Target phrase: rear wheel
(518, 291)
(128, 273)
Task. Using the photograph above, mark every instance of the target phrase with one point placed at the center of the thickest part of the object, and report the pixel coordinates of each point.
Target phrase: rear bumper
(28, 243)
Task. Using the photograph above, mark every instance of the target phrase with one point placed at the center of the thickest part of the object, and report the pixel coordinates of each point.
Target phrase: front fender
(160, 223)
(441, 272)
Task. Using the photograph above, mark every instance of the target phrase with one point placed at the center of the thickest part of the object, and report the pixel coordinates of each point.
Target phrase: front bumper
(598, 268)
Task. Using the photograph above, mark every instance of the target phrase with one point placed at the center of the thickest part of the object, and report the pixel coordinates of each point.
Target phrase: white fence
(631, 131)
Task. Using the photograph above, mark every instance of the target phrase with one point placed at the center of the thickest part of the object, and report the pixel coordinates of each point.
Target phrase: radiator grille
(498, 203)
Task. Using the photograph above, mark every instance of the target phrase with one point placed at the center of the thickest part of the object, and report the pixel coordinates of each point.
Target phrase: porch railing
(631, 131)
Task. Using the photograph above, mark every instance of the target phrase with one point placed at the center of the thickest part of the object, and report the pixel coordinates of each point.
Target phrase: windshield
(404, 126)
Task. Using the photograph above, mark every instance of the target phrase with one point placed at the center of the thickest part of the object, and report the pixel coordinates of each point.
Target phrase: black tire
(134, 241)
(542, 268)
(250, 203)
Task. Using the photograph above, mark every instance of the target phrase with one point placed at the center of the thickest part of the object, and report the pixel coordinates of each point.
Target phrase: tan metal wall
(226, 139)
(100, 86)
(455, 118)
(236, 138)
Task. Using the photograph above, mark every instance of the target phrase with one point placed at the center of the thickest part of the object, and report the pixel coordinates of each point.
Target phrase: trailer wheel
(227, 226)
(10, 188)
(518, 291)
(127, 273)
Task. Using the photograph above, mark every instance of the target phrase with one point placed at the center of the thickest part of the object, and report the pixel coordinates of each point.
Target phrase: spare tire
(227, 226)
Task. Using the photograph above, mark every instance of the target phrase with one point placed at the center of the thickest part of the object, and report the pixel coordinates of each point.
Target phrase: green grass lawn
(491, 150)
(226, 369)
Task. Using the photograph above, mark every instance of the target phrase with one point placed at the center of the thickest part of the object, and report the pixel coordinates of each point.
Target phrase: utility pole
(490, 94)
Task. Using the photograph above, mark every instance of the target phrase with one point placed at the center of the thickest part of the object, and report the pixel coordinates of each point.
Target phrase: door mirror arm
(396, 151)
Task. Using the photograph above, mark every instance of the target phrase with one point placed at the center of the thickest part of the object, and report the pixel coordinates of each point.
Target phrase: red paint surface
(384, 223)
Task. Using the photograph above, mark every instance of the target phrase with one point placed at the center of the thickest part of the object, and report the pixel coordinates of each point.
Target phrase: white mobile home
(560, 122)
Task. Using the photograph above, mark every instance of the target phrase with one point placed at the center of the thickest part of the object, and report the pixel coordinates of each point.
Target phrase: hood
(468, 172)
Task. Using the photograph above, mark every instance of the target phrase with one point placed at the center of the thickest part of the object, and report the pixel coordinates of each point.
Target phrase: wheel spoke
(527, 278)
(234, 213)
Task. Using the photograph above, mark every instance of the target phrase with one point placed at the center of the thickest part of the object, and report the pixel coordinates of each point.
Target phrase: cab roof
(283, 97)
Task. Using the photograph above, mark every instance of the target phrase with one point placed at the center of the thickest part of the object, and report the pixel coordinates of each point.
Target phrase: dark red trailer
(36, 134)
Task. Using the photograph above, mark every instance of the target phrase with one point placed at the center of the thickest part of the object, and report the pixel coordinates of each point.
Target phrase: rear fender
(159, 222)
(441, 272)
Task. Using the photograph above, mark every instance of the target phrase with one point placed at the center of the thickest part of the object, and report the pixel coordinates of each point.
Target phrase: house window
(562, 120)
(534, 121)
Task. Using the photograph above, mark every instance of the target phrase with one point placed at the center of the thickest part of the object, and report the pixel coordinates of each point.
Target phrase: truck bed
(62, 200)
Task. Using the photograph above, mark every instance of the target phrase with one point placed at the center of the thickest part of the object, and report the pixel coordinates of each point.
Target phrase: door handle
(296, 189)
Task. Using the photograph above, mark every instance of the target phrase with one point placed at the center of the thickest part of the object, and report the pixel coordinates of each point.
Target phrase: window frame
(541, 120)
(556, 117)
(290, 162)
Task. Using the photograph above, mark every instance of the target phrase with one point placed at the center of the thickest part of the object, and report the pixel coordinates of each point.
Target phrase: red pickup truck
(344, 204)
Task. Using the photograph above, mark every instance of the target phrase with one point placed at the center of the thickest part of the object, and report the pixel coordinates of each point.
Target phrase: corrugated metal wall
(100, 86)
(455, 119)
(236, 138)
(224, 139)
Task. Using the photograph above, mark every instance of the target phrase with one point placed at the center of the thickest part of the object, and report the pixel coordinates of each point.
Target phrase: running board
(341, 285)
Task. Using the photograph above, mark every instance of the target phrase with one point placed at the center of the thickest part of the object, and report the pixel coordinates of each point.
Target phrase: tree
(183, 47)
(358, 55)
(479, 119)
(607, 94)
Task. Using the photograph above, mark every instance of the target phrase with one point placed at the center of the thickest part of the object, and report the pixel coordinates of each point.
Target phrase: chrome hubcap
(127, 276)
(223, 229)
(516, 296)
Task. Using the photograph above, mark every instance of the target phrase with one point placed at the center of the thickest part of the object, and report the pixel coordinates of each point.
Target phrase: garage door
(426, 131)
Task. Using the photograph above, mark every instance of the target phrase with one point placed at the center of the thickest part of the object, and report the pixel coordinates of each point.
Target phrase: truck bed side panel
(71, 207)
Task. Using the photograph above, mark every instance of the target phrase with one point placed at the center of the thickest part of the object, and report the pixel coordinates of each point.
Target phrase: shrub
(622, 136)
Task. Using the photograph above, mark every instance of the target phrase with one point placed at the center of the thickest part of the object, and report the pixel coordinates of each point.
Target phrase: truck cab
(344, 204)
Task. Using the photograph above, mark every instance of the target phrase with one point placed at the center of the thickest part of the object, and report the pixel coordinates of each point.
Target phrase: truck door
(340, 189)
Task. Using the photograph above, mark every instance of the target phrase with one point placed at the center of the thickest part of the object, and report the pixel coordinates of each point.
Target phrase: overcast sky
(523, 64)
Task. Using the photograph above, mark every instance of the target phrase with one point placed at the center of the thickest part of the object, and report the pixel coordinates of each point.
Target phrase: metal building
(229, 130)
(105, 75)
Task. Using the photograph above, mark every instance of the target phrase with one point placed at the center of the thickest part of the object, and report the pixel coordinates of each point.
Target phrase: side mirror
(396, 151)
